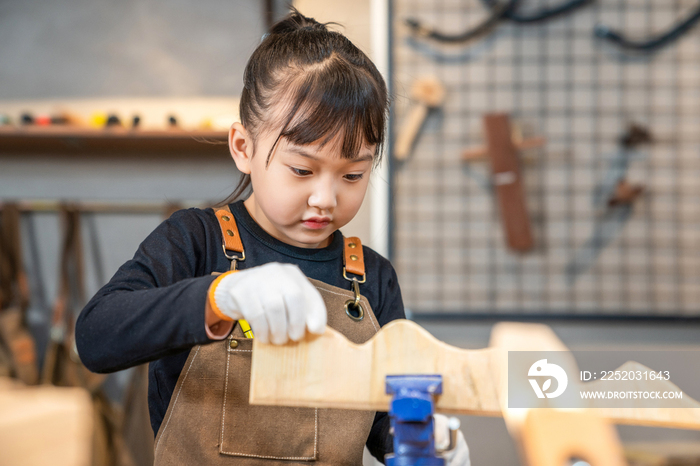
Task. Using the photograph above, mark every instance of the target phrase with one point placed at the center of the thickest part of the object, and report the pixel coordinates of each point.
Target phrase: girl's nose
(323, 196)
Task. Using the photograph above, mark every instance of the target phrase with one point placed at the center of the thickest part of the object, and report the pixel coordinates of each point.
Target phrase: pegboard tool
(427, 93)
(625, 193)
(613, 200)
(502, 150)
(498, 11)
(477, 153)
(651, 44)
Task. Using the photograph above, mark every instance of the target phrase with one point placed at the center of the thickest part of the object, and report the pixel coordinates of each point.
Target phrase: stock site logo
(542, 369)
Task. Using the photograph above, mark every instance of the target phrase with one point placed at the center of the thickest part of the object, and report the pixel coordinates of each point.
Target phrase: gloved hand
(459, 455)
(277, 300)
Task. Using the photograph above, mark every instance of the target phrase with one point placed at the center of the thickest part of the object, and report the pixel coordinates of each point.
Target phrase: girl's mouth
(315, 225)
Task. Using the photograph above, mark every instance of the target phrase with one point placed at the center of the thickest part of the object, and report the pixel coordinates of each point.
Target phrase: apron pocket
(274, 432)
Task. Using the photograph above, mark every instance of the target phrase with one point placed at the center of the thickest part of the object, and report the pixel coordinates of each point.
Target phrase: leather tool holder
(62, 366)
(17, 348)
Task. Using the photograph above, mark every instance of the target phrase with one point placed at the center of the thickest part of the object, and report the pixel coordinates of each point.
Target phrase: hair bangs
(338, 104)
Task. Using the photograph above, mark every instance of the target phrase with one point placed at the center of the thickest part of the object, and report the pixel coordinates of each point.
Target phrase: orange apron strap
(353, 259)
(229, 233)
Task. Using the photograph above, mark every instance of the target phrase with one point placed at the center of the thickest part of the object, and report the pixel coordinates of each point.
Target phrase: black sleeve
(390, 300)
(380, 441)
(154, 304)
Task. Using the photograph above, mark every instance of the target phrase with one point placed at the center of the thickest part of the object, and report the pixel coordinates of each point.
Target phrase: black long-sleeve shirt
(152, 310)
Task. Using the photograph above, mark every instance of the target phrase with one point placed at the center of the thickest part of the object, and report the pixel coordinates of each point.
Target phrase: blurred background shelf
(94, 141)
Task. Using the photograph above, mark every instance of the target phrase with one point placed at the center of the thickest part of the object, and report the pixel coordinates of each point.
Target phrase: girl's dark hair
(331, 87)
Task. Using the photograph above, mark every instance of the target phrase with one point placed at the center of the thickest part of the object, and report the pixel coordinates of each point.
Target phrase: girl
(313, 118)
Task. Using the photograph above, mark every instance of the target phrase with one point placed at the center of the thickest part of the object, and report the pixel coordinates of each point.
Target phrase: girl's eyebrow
(303, 153)
(363, 158)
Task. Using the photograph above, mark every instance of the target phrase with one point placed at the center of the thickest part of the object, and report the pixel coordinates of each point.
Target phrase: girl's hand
(459, 455)
(277, 300)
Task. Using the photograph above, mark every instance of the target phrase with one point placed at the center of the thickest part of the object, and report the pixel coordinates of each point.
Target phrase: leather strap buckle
(233, 259)
(231, 239)
(354, 262)
(353, 306)
(354, 279)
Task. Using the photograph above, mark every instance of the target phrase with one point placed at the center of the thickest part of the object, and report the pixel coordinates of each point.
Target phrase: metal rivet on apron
(353, 257)
(352, 245)
(225, 218)
(233, 344)
(229, 232)
(354, 311)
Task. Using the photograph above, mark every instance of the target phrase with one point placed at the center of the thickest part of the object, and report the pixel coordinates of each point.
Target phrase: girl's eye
(354, 176)
(300, 171)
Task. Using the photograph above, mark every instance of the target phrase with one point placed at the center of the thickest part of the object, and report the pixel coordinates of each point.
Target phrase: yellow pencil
(246, 328)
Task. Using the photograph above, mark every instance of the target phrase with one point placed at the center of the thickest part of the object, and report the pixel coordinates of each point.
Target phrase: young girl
(313, 117)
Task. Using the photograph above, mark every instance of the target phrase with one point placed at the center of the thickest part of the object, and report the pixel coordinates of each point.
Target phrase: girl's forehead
(331, 150)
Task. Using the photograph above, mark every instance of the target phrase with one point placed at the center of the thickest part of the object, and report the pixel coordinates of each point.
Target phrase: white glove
(277, 300)
(459, 455)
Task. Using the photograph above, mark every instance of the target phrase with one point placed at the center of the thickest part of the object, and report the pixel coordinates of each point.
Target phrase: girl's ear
(241, 147)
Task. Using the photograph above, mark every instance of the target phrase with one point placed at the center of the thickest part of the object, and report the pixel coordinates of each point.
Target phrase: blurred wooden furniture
(44, 425)
(553, 438)
(661, 453)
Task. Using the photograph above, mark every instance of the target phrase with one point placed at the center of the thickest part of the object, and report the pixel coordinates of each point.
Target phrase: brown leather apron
(209, 420)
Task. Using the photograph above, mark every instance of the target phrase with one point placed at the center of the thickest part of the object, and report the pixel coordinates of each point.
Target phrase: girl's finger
(296, 317)
(315, 309)
(276, 313)
(255, 315)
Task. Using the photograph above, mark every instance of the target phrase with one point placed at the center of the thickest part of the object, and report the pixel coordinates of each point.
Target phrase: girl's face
(306, 192)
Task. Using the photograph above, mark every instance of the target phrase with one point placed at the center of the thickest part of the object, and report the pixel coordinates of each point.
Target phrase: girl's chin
(311, 240)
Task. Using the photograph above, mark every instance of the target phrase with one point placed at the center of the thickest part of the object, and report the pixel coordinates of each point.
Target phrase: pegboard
(559, 81)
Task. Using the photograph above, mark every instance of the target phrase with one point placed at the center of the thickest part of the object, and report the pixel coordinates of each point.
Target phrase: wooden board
(332, 372)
